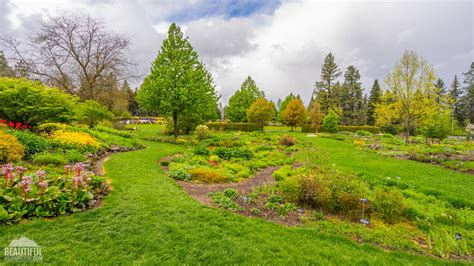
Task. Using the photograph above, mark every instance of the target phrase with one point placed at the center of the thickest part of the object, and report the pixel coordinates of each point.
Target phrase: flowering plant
(30, 194)
(15, 125)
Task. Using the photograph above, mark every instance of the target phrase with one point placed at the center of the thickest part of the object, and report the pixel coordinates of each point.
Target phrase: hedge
(224, 126)
(371, 129)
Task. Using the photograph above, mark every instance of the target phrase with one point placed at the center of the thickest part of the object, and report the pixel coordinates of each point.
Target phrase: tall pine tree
(468, 99)
(375, 95)
(179, 86)
(440, 90)
(324, 89)
(351, 98)
(5, 69)
(455, 95)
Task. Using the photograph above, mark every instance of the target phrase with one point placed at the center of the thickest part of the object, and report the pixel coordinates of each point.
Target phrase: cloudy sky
(281, 44)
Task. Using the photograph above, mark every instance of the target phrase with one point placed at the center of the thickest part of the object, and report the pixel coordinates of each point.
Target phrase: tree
(324, 91)
(352, 101)
(5, 69)
(469, 97)
(92, 112)
(455, 94)
(31, 102)
(315, 114)
(282, 106)
(411, 87)
(440, 90)
(132, 105)
(261, 112)
(375, 95)
(295, 113)
(112, 95)
(242, 99)
(73, 52)
(179, 85)
(330, 122)
(438, 126)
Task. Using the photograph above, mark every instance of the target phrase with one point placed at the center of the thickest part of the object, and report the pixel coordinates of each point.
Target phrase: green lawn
(435, 179)
(147, 218)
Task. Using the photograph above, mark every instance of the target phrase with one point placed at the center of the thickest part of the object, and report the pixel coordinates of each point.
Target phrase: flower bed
(25, 194)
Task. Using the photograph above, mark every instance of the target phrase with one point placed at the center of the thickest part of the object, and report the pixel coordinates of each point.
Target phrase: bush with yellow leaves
(10, 148)
(80, 141)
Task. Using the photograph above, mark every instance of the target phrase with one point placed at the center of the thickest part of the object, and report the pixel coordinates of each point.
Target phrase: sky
(280, 44)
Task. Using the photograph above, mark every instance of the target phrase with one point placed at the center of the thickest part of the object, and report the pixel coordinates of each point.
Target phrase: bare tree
(73, 52)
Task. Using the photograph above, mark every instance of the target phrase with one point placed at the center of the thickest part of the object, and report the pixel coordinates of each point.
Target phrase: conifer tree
(324, 89)
(352, 101)
(375, 95)
(468, 99)
(455, 94)
(240, 102)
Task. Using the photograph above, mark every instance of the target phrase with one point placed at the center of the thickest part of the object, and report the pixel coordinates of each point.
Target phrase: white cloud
(284, 51)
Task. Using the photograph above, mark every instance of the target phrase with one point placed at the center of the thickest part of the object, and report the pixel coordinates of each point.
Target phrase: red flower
(18, 125)
(11, 124)
(3, 121)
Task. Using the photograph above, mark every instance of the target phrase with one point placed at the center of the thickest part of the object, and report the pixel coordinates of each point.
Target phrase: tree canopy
(240, 102)
(261, 112)
(295, 113)
(178, 85)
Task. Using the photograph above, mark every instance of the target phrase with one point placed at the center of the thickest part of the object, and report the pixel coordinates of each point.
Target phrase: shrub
(231, 193)
(75, 140)
(32, 142)
(290, 189)
(92, 112)
(49, 158)
(10, 148)
(165, 163)
(228, 153)
(330, 122)
(179, 171)
(49, 128)
(201, 150)
(120, 133)
(282, 173)
(73, 156)
(388, 203)
(224, 201)
(34, 103)
(202, 132)
(207, 175)
(225, 126)
(312, 129)
(363, 133)
(287, 140)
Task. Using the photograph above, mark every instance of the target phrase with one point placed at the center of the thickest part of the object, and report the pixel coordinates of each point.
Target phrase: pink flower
(78, 168)
(76, 181)
(43, 185)
(25, 183)
(41, 174)
(21, 170)
(68, 168)
(7, 168)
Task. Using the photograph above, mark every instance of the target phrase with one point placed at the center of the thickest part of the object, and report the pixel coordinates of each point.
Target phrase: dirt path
(200, 191)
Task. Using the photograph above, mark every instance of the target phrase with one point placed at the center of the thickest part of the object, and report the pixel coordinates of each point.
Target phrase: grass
(445, 183)
(147, 218)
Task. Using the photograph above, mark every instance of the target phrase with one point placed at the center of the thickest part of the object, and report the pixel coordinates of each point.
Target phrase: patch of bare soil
(200, 191)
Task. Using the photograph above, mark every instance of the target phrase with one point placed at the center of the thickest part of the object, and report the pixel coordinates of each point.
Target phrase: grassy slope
(426, 176)
(147, 218)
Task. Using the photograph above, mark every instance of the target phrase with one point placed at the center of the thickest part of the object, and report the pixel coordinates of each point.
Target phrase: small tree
(330, 122)
(294, 113)
(315, 114)
(91, 113)
(437, 127)
(260, 112)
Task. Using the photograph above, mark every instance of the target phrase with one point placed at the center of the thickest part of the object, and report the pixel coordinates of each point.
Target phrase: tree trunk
(407, 137)
(175, 124)
(291, 128)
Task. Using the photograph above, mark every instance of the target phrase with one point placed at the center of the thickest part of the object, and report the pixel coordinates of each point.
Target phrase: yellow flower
(77, 139)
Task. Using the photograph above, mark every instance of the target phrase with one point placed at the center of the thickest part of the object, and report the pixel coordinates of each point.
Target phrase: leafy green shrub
(282, 173)
(179, 171)
(34, 103)
(92, 112)
(121, 133)
(201, 150)
(225, 126)
(287, 140)
(231, 193)
(73, 156)
(388, 203)
(165, 163)
(10, 148)
(202, 132)
(224, 201)
(49, 128)
(284, 209)
(312, 129)
(32, 142)
(264, 148)
(47, 158)
(330, 122)
(228, 153)
(363, 133)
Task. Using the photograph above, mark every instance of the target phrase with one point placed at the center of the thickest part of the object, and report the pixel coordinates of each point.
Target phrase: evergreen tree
(239, 103)
(179, 85)
(5, 69)
(324, 89)
(468, 99)
(132, 104)
(375, 95)
(455, 95)
(351, 98)
(440, 90)
(283, 105)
